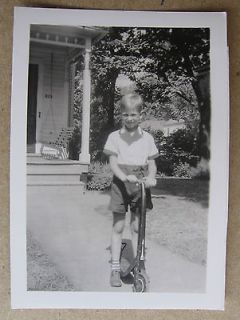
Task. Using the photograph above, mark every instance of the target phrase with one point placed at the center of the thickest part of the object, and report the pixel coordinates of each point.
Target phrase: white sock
(115, 265)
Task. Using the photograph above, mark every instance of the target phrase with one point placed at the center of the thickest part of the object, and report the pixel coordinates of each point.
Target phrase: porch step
(49, 183)
(53, 178)
(41, 172)
(33, 156)
(54, 169)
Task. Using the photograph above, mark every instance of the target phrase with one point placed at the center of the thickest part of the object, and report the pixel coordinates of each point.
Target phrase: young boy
(131, 153)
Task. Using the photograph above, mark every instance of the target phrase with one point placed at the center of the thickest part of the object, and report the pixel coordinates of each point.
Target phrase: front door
(32, 107)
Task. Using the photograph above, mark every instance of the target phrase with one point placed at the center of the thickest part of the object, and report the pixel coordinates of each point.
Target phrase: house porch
(55, 53)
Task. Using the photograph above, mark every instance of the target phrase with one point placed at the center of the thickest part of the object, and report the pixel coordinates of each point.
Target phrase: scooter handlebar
(151, 183)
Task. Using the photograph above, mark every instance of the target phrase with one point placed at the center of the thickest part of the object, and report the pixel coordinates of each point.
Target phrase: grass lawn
(178, 220)
(42, 274)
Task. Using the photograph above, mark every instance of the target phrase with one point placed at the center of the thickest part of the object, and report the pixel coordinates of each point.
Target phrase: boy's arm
(118, 172)
(150, 180)
(115, 168)
(152, 169)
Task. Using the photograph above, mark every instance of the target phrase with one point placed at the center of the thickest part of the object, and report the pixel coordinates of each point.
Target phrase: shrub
(100, 176)
(164, 165)
(183, 170)
(178, 152)
(100, 167)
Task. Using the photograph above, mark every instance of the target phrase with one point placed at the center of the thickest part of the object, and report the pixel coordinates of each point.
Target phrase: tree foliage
(163, 63)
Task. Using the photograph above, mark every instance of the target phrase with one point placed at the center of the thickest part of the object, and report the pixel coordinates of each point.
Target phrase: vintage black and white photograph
(123, 161)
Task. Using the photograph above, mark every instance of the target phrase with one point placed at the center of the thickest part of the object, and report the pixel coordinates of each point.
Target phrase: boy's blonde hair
(131, 100)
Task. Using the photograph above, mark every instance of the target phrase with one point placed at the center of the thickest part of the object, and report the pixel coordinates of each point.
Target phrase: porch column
(84, 156)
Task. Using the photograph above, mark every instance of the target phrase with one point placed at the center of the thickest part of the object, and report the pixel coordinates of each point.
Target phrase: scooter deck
(132, 266)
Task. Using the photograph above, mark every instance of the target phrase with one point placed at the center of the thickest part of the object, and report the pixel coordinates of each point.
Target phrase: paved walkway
(74, 231)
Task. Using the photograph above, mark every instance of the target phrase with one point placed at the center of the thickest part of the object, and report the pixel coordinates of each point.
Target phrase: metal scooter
(137, 267)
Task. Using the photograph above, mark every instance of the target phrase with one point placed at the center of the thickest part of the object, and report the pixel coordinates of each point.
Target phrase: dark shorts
(124, 194)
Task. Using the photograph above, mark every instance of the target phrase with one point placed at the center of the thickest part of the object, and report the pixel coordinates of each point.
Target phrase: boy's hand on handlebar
(149, 182)
(132, 178)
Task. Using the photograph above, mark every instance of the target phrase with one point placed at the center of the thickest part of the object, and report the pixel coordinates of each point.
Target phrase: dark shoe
(115, 280)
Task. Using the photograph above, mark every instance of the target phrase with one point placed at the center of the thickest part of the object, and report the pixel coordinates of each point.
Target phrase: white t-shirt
(131, 148)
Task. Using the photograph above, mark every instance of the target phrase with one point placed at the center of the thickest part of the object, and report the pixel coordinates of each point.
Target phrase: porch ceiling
(68, 36)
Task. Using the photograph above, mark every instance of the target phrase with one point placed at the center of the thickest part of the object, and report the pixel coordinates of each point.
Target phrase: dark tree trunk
(109, 97)
(202, 90)
(108, 103)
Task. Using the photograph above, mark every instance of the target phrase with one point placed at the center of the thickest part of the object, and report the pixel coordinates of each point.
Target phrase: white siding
(53, 83)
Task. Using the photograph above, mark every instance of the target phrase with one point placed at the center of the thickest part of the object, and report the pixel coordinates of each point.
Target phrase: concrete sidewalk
(74, 231)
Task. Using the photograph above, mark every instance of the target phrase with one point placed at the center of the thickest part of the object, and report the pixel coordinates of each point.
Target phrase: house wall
(52, 101)
(171, 128)
(166, 126)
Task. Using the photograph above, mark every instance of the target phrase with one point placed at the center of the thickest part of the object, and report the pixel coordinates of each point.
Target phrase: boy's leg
(134, 224)
(116, 244)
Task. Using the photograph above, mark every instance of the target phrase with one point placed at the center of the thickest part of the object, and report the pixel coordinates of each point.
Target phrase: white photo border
(213, 299)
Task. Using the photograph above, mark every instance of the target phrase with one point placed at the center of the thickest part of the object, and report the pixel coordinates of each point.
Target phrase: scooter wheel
(140, 283)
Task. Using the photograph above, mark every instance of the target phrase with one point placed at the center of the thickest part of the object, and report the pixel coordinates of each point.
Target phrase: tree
(163, 63)
(170, 60)
(106, 65)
